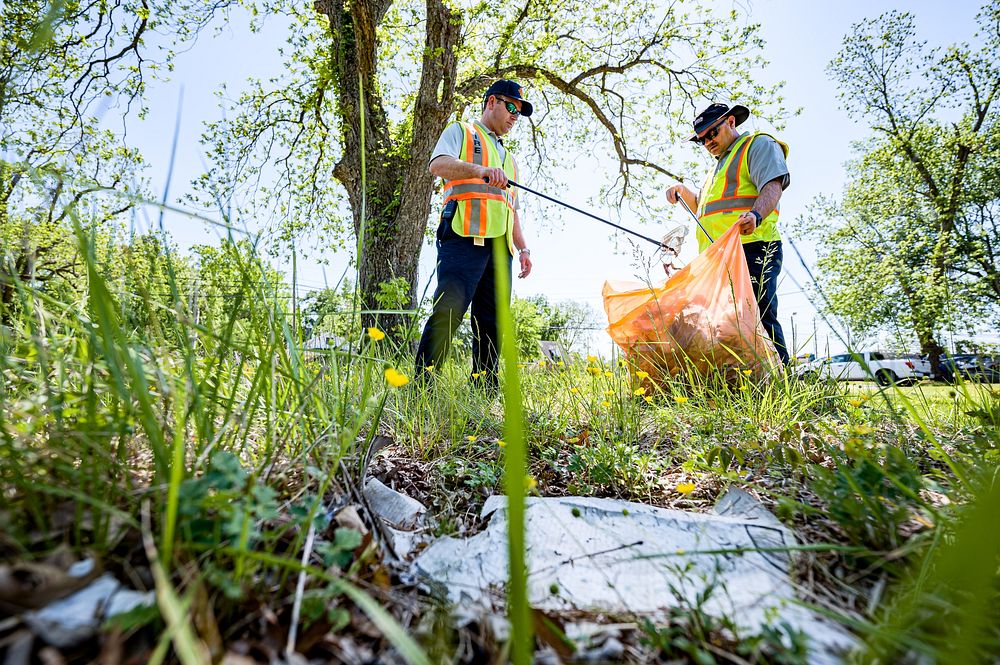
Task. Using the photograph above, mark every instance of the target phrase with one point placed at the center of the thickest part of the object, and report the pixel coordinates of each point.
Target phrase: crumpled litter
(618, 557)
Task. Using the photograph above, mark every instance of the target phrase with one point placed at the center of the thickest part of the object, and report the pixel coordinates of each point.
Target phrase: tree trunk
(930, 347)
(395, 204)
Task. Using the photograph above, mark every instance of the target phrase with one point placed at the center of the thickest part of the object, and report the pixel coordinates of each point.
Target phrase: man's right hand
(496, 177)
(676, 191)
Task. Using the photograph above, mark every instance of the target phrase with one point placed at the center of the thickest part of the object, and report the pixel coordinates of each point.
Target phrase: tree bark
(393, 205)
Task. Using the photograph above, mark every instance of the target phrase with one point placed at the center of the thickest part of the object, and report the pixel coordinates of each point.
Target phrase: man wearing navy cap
(480, 209)
(744, 189)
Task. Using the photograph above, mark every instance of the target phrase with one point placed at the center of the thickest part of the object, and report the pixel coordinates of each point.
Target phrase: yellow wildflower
(639, 391)
(396, 378)
(609, 393)
(530, 483)
(684, 488)
(541, 363)
(855, 402)
(574, 390)
(743, 387)
(649, 400)
(476, 375)
(429, 368)
(593, 371)
(642, 375)
(375, 334)
(560, 364)
(680, 399)
(592, 359)
(621, 363)
(470, 438)
(605, 403)
(609, 373)
(501, 443)
(748, 372)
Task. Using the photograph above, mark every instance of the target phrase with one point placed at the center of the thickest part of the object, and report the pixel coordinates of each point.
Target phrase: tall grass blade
(515, 463)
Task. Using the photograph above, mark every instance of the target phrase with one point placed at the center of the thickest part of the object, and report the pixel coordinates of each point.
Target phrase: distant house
(554, 352)
(323, 343)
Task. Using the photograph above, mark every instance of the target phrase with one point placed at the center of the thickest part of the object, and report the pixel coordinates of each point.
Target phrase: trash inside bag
(702, 319)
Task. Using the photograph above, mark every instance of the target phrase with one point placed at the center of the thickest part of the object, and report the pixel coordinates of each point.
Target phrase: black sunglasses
(710, 134)
(510, 106)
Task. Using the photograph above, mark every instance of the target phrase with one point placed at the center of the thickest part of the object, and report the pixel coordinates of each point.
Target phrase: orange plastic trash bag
(703, 318)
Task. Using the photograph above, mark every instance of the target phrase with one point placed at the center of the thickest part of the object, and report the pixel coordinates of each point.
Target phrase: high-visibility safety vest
(730, 192)
(483, 211)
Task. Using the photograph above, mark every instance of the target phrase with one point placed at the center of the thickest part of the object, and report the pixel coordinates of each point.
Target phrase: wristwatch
(757, 215)
(523, 251)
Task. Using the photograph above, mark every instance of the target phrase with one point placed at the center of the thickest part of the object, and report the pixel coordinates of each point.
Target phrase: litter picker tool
(658, 243)
(694, 216)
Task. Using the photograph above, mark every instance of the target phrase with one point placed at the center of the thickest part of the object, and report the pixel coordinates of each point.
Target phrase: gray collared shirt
(766, 161)
(450, 144)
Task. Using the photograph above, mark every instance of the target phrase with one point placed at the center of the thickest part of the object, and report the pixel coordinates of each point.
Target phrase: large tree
(618, 79)
(912, 242)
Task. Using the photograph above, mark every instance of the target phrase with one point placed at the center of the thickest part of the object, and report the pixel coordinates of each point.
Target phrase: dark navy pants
(764, 261)
(466, 275)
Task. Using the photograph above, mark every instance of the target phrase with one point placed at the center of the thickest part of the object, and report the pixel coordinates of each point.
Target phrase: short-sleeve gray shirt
(766, 161)
(450, 145)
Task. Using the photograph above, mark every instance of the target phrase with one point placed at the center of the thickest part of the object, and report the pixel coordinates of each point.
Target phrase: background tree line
(911, 244)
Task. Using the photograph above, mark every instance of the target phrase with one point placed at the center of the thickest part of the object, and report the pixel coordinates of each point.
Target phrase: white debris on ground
(404, 518)
(623, 558)
(77, 617)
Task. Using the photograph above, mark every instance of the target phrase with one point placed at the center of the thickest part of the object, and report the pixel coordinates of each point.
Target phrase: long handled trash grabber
(658, 243)
(696, 220)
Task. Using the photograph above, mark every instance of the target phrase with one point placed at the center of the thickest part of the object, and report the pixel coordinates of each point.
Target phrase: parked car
(980, 368)
(867, 365)
(948, 366)
(969, 366)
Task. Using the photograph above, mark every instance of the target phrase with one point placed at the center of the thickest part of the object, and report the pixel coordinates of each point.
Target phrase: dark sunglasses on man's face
(710, 134)
(510, 106)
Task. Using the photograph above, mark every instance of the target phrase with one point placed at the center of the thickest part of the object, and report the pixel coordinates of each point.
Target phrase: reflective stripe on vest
(730, 192)
(483, 211)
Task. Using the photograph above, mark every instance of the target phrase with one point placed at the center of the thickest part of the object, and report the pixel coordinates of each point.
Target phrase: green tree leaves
(911, 244)
(619, 80)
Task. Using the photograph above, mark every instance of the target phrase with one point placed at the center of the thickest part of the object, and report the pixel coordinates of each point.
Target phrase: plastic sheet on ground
(603, 555)
(78, 617)
(705, 317)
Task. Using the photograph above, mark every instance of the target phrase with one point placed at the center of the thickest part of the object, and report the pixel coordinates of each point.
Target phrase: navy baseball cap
(513, 91)
(716, 112)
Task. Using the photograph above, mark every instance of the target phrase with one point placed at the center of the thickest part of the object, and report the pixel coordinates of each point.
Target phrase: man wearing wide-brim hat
(745, 187)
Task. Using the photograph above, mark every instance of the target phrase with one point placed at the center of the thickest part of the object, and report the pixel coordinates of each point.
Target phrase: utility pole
(795, 344)
(815, 340)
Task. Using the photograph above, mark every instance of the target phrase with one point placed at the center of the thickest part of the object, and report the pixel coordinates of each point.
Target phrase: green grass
(880, 475)
(209, 437)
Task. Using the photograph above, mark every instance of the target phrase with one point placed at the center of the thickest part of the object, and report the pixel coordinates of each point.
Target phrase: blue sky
(572, 262)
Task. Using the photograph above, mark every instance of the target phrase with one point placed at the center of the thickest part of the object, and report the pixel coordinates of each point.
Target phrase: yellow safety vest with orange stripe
(730, 192)
(483, 211)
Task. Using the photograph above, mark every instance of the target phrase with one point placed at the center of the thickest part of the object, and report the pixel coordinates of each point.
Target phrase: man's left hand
(748, 223)
(525, 259)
